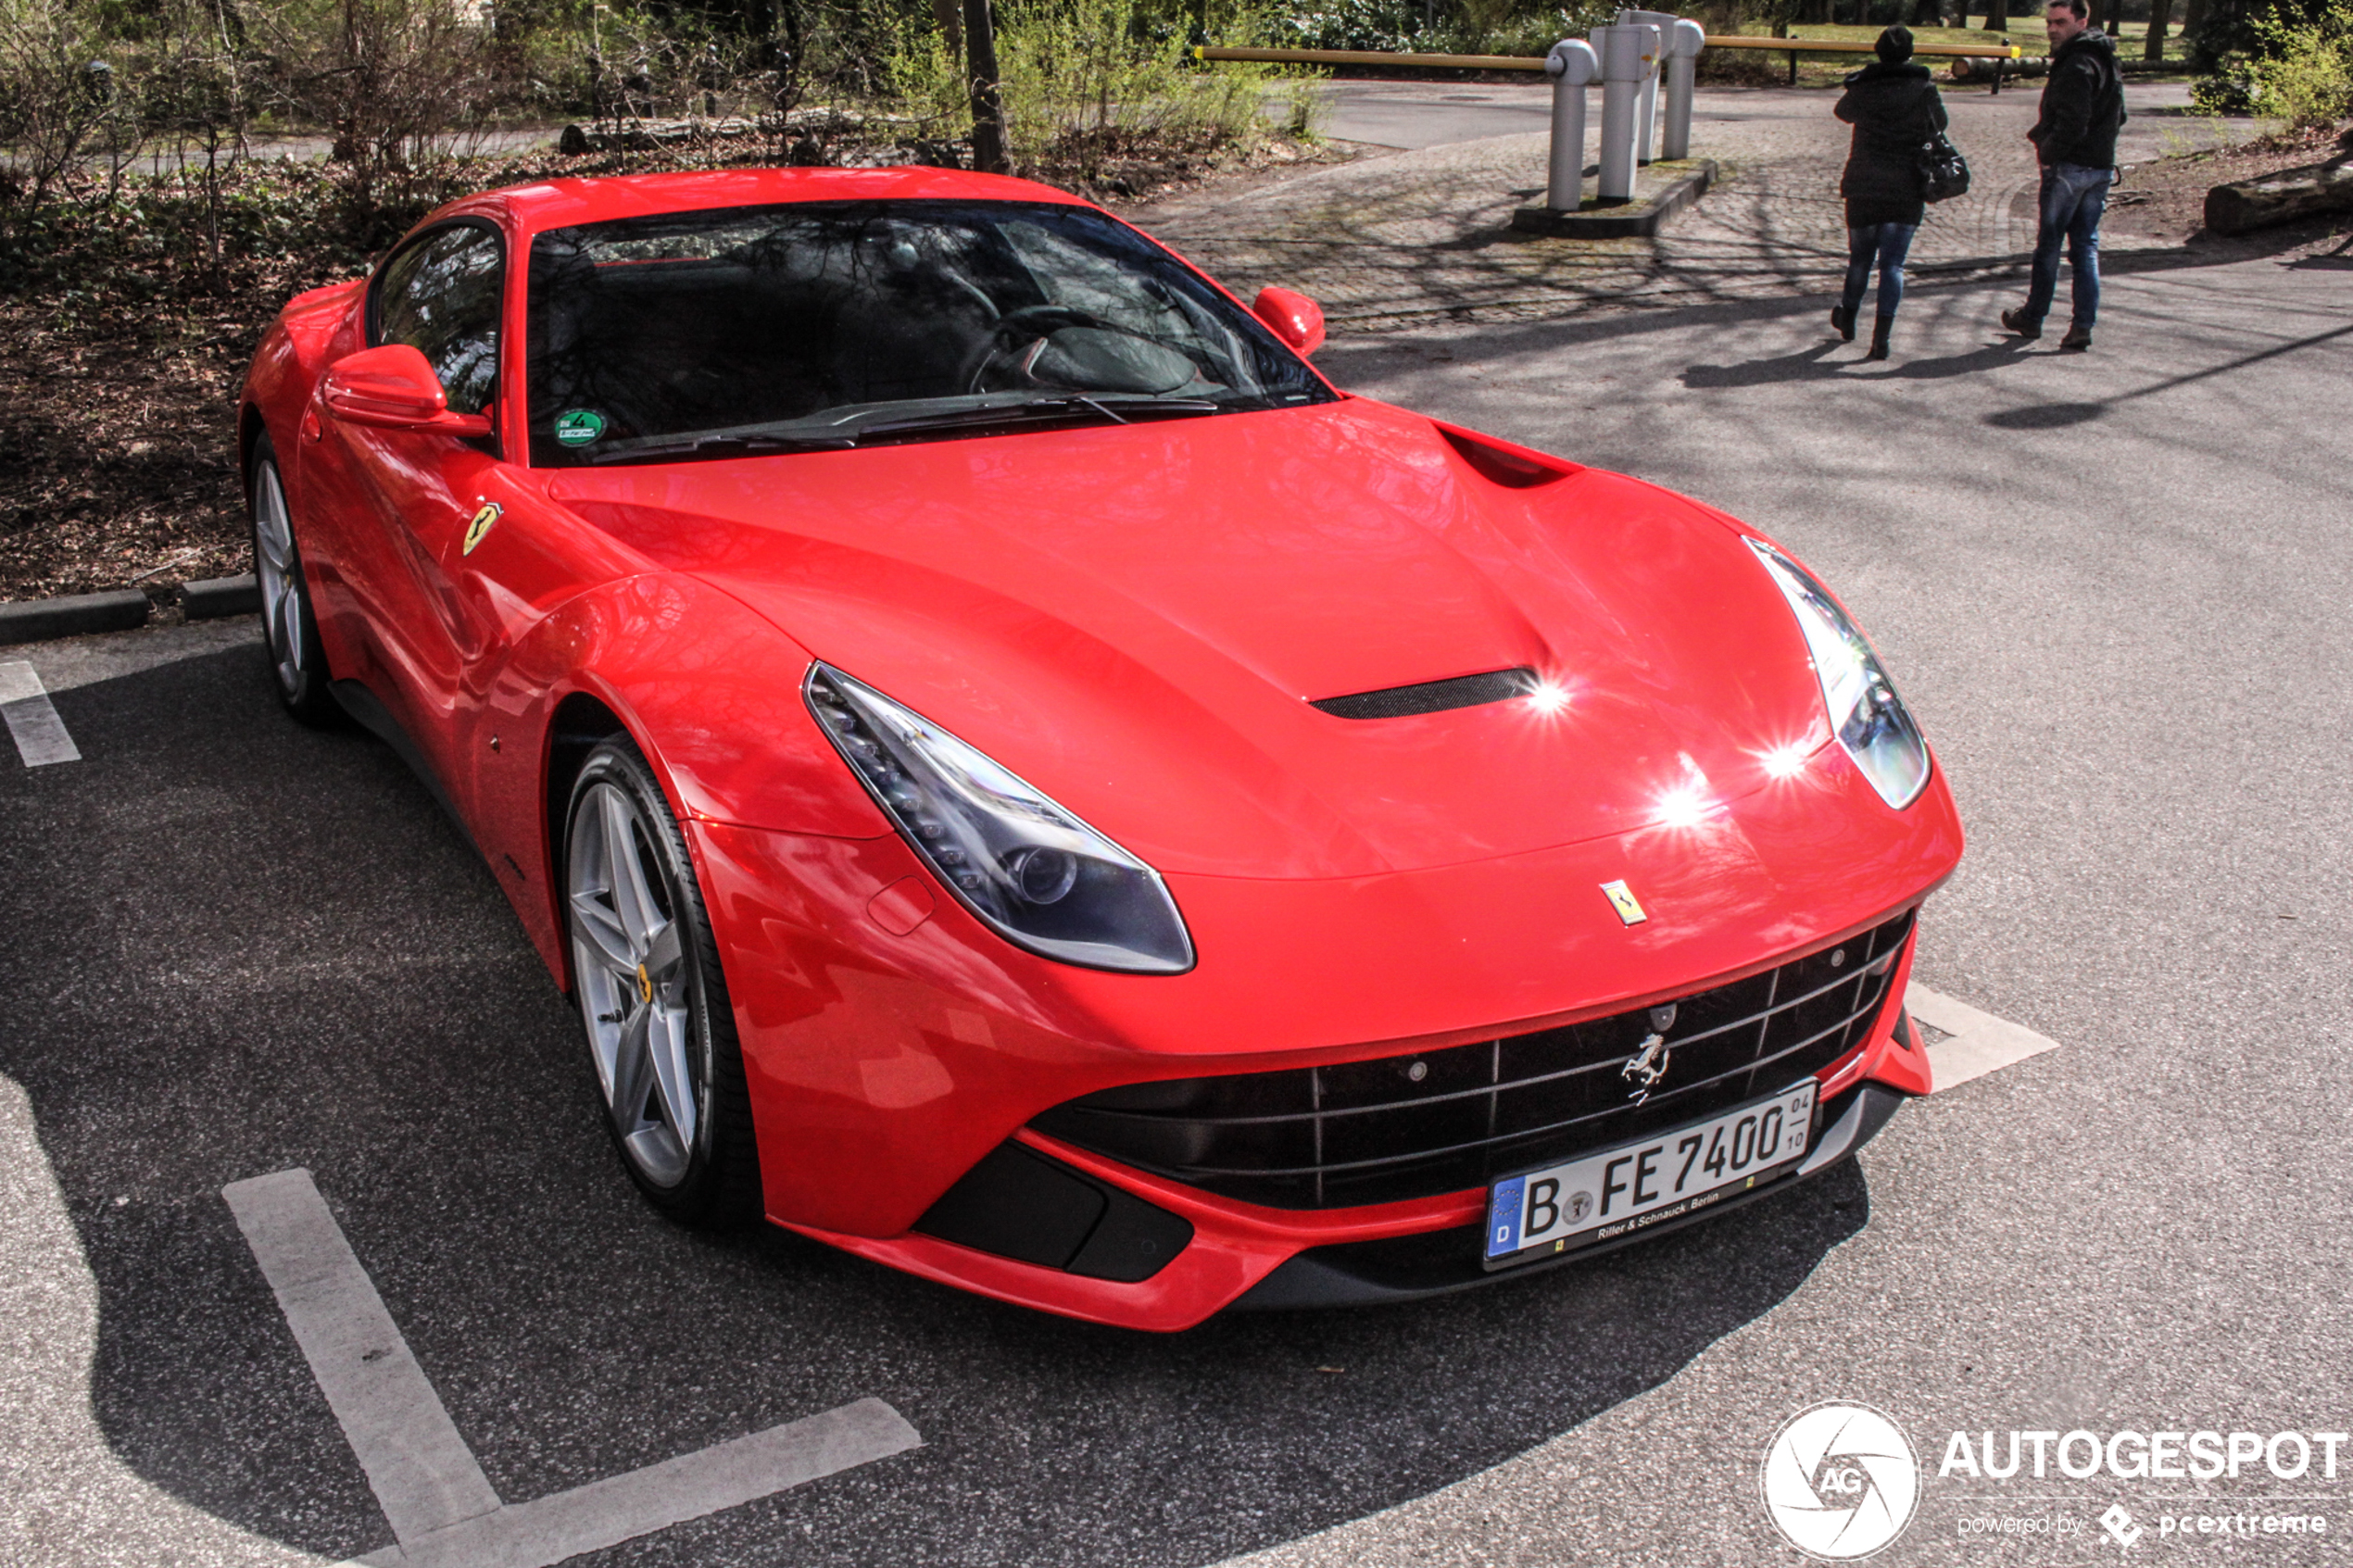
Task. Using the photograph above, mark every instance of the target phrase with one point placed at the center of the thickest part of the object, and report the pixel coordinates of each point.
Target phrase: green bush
(1085, 80)
(2297, 72)
(1460, 27)
(2306, 80)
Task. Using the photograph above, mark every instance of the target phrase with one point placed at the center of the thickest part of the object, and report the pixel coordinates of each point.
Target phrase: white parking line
(33, 719)
(422, 1472)
(1980, 1043)
(440, 1505)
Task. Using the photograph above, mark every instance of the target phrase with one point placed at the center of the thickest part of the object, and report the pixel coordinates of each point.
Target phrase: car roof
(556, 204)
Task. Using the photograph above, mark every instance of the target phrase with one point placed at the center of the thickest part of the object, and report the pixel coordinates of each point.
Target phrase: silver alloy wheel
(633, 993)
(273, 559)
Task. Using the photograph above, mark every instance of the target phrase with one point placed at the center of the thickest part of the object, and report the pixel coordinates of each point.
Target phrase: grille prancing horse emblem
(1650, 1062)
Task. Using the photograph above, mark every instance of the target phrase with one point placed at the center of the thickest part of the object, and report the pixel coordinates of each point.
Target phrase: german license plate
(1601, 1196)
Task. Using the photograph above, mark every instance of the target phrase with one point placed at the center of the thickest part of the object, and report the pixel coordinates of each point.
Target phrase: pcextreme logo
(1840, 1481)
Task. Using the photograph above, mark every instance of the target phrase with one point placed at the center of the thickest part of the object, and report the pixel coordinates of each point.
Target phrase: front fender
(710, 693)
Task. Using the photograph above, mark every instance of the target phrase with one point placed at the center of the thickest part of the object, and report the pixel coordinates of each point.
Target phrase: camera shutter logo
(1840, 1481)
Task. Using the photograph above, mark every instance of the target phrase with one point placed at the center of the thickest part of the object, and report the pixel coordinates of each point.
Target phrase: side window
(442, 295)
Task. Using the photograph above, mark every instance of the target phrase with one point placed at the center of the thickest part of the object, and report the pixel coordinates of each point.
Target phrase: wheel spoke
(289, 631)
(630, 899)
(666, 1045)
(663, 954)
(273, 531)
(601, 929)
(633, 1082)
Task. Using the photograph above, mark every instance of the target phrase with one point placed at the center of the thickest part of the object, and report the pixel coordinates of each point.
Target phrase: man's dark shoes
(2018, 321)
(2077, 340)
(1842, 323)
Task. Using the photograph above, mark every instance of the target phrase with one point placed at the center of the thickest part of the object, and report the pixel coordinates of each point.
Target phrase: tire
(289, 630)
(653, 1004)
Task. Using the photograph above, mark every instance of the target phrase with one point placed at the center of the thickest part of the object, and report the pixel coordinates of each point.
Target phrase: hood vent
(1514, 468)
(1432, 697)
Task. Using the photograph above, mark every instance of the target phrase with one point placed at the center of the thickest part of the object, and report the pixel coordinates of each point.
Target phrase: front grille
(1441, 1121)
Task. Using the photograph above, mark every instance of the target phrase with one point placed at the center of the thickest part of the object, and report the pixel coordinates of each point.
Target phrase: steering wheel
(1018, 329)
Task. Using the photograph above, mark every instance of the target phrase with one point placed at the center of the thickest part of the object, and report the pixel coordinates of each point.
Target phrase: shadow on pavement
(2048, 416)
(1810, 365)
(259, 946)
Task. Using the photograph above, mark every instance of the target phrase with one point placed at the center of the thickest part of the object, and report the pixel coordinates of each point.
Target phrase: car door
(408, 497)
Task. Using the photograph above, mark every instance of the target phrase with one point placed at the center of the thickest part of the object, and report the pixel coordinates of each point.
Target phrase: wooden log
(2281, 197)
(1983, 69)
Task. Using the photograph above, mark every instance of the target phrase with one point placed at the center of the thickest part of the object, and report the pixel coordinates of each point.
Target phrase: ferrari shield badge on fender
(1621, 898)
(479, 529)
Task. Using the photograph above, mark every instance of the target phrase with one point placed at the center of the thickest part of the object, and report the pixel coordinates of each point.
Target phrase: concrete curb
(73, 615)
(1619, 222)
(216, 596)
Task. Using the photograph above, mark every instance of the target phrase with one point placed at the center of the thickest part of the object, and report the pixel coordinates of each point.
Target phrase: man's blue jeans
(1885, 245)
(2073, 198)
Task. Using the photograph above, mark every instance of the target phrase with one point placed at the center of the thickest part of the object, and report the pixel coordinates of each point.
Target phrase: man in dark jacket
(1895, 107)
(2075, 138)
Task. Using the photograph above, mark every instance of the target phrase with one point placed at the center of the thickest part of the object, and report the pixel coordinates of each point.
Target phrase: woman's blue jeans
(1888, 244)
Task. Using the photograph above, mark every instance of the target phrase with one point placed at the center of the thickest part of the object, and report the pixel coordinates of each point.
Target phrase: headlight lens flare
(1871, 720)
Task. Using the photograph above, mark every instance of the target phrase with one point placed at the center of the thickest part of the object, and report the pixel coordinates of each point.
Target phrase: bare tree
(52, 102)
(391, 79)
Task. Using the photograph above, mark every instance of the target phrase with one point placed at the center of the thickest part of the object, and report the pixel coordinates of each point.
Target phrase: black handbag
(1944, 172)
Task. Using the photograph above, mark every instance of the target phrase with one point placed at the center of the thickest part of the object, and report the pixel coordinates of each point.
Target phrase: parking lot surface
(2115, 589)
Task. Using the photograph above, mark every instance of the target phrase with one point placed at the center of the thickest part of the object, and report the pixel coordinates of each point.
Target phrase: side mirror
(1295, 318)
(394, 388)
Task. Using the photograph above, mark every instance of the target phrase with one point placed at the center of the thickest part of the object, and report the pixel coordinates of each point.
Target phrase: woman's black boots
(1879, 337)
(1843, 323)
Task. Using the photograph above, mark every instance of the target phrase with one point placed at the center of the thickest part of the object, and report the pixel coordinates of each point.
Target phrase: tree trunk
(1997, 16)
(2160, 12)
(950, 17)
(980, 70)
(2193, 17)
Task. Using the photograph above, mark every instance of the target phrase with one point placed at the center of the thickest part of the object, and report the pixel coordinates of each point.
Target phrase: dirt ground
(2167, 199)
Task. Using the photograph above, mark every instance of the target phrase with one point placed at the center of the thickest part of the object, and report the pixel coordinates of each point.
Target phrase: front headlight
(1869, 720)
(1038, 876)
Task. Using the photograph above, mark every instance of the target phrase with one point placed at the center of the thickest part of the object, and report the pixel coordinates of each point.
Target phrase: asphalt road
(2115, 589)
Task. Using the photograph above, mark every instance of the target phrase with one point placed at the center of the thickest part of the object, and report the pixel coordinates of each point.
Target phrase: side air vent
(1507, 466)
(1432, 697)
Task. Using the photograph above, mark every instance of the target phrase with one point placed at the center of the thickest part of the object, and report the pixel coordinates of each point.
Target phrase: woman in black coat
(1894, 107)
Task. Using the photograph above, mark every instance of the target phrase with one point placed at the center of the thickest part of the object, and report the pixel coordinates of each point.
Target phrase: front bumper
(1440, 1262)
(891, 1042)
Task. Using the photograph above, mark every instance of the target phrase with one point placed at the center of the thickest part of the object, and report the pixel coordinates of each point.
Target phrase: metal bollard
(1684, 40)
(1646, 112)
(1629, 56)
(1572, 65)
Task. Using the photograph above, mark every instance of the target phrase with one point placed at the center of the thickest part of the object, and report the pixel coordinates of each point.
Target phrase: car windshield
(814, 325)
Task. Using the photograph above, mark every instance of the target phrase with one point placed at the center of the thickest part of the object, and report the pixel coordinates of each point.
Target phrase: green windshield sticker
(579, 426)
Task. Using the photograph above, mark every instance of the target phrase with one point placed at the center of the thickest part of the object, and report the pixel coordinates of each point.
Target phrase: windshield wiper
(723, 446)
(1114, 406)
(844, 434)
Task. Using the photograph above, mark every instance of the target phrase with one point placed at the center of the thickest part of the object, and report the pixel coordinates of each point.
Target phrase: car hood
(1137, 619)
